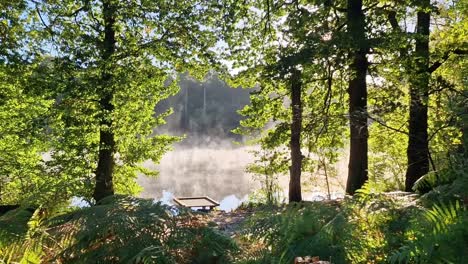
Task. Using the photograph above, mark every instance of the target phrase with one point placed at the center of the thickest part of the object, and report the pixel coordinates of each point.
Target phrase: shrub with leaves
(17, 229)
(362, 229)
(281, 234)
(130, 230)
(13, 226)
(438, 235)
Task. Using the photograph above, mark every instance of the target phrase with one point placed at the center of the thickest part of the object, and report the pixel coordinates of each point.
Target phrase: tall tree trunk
(357, 89)
(295, 194)
(464, 125)
(105, 168)
(418, 146)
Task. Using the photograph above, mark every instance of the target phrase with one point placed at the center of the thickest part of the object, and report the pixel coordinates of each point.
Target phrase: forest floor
(229, 223)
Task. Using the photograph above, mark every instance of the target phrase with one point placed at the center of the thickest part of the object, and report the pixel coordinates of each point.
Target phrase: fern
(455, 176)
(26, 245)
(432, 180)
(125, 230)
(291, 231)
(370, 191)
(439, 238)
(441, 216)
(13, 226)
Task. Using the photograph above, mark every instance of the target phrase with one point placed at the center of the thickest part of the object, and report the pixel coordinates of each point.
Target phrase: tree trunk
(295, 142)
(357, 89)
(464, 127)
(418, 146)
(105, 168)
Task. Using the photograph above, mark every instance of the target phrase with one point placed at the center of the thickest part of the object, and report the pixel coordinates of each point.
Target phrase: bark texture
(295, 194)
(418, 145)
(105, 168)
(357, 89)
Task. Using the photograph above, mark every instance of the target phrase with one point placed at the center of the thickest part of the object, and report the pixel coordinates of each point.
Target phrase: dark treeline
(204, 109)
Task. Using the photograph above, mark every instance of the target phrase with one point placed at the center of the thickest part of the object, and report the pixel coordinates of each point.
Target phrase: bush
(368, 228)
(127, 230)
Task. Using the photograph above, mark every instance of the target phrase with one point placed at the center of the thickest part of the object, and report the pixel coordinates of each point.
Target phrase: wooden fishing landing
(205, 202)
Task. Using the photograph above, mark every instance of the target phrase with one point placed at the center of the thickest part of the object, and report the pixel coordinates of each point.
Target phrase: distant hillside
(204, 110)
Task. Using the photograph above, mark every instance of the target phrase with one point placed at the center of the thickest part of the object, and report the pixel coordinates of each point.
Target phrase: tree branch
(387, 126)
(374, 5)
(393, 21)
(432, 164)
(449, 124)
(445, 57)
(47, 27)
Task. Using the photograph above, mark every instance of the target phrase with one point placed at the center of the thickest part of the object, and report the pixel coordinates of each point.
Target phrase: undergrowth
(117, 230)
(368, 228)
(371, 227)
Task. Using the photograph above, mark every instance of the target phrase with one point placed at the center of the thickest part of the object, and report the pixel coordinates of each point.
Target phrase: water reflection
(79, 202)
(227, 204)
(321, 196)
(231, 202)
(217, 170)
(214, 171)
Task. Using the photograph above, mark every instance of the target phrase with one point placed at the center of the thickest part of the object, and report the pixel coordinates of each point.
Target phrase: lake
(217, 171)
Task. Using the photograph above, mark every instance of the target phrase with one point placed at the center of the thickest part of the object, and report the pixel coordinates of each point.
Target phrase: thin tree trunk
(324, 164)
(295, 194)
(464, 127)
(418, 146)
(105, 168)
(357, 89)
(186, 120)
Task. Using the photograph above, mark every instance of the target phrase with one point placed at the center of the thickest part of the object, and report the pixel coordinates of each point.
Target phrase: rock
(298, 260)
(309, 259)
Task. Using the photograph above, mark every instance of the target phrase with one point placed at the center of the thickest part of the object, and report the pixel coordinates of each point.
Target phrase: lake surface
(218, 172)
(207, 162)
(214, 171)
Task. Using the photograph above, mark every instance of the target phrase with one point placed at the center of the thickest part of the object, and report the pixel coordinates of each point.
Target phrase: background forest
(87, 89)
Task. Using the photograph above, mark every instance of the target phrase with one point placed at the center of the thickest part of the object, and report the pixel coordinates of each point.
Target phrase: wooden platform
(205, 202)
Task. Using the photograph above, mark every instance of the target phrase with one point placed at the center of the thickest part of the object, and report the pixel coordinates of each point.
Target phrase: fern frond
(433, 179)
(443, 221)
(443, 215)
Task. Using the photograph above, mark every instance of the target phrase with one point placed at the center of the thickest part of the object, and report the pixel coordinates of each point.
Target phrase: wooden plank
(198, 201)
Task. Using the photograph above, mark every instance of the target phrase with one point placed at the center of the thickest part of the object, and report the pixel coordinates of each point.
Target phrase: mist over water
(198, 171)
(207, 162)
